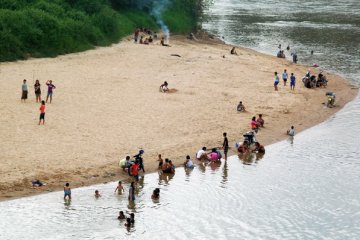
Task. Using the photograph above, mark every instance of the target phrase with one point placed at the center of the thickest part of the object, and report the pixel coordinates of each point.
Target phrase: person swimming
(97, 194)
(119, 188)
(121, 215)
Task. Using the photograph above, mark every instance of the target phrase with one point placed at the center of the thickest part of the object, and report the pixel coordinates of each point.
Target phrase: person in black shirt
(225, 145)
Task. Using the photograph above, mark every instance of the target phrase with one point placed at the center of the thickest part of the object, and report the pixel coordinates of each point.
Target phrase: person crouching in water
(214, 155)
(188, 163)
(164, 87)
(243, 148)
(259, 148)
(156, 194)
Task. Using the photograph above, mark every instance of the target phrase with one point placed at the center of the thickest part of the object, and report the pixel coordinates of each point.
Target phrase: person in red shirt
(42, 112)
(134, 170)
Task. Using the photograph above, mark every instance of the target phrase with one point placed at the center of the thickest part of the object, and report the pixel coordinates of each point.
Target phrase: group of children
(285, 78)
(37, 89)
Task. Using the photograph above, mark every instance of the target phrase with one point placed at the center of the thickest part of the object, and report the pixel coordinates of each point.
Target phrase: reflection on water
(296, 191)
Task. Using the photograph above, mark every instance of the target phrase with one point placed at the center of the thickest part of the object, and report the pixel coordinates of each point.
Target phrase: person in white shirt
(201, 154)
(188, 163)
(291, 131)
(285, 77)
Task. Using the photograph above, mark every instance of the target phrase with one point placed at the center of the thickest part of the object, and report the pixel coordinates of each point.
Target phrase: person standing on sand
(24, 89)
(51, 87)
(42, 112)
(276, 82)
(37, 91)
(292, 81)
(285, 77)
(291, 131)
(225, 145)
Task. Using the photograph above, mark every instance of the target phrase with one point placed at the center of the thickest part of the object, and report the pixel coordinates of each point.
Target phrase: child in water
(119, 188)
(128, 223)
(121, 215)
(67, 191)
(161, 161)
(97, 194)
(156, 194)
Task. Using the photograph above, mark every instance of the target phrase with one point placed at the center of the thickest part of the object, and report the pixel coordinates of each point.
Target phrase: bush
(43, 28)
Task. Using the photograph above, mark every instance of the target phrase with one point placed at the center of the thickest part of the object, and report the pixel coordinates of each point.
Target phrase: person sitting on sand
(260, 121)
(188, 162)
(124, 163)
(201, 154)
(233, 51)
(243, 148)
(156, 194)
(119, 188)
(291, 131)
(254, 125)
(97, 194)
(162, 42)
(141, 41)
(259, 148)
(37, 183)
(214, 155)
(164, 87)
(240, 107)
(67, 191)
(121, 216)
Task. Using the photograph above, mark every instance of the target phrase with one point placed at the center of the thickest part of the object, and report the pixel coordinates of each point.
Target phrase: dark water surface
(306, 190)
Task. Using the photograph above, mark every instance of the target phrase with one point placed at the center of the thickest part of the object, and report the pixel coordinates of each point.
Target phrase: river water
(305, 190)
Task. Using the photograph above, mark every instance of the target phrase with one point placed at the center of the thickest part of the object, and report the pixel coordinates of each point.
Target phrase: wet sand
(107, 105)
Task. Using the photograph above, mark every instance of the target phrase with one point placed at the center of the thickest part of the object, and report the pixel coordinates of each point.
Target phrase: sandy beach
(107, 105)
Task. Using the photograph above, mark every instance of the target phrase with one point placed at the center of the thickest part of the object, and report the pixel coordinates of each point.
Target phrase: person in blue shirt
(292, 81)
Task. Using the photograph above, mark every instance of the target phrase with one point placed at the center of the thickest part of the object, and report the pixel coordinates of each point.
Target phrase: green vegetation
(42, 28)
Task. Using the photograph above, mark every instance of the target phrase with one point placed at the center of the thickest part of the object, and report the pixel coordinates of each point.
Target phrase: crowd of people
(38, 99)
(147, 36)
(285, 78)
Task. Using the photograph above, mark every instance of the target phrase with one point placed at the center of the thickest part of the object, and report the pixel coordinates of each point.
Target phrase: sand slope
(107, 105)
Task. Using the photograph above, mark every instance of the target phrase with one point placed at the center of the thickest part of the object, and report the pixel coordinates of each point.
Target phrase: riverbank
(107, 105)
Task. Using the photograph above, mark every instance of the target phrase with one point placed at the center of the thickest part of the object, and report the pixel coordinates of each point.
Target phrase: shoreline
(195, 53)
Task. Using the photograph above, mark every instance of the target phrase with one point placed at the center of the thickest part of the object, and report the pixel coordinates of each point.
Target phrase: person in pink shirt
(214, 155)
